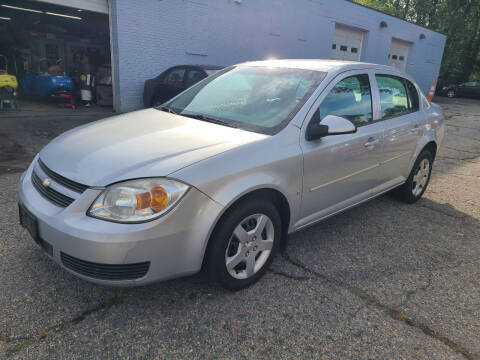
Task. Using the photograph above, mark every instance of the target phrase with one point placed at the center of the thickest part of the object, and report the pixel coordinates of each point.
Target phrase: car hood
(144, 143)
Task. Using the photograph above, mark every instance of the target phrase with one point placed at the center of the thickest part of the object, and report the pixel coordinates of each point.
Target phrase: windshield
(211, 71)
(260, 99)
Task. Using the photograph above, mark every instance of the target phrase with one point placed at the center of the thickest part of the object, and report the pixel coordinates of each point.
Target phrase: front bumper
(173, 245)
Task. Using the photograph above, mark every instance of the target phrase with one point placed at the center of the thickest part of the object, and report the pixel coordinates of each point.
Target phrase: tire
(412, 190)
(451, 93)
(238, 240)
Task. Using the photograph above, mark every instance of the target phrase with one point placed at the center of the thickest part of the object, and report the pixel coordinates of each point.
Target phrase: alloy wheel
(420, 179)
(249, 246)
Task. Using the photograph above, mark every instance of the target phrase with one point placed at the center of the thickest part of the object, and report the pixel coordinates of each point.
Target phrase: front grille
(49, 193)
(105, 271)
(70, 184)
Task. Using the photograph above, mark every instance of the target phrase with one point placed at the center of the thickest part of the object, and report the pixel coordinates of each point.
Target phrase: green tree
(459, 20)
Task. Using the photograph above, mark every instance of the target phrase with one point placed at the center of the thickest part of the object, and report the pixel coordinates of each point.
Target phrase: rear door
(403, 122)
(340, 170)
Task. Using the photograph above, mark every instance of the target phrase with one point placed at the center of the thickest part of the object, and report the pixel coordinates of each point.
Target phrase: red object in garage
(70, 101)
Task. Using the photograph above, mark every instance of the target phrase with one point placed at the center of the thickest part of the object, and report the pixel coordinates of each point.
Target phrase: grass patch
(112, 297)
(23, 345)
(43, 333)
(4, 339)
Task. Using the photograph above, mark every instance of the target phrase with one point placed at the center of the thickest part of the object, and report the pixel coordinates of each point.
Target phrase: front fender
(273, 163)
(231, 193)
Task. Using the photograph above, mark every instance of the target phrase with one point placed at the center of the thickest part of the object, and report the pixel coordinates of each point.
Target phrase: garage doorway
(347, 43)
(59, 54)
(399, 54)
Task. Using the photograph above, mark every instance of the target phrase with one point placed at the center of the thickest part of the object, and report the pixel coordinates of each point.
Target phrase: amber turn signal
(159, 199)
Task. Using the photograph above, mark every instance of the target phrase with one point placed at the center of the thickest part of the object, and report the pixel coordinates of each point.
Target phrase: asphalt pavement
(385, 280)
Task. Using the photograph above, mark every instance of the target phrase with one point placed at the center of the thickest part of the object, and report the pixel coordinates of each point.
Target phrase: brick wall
(148, 36)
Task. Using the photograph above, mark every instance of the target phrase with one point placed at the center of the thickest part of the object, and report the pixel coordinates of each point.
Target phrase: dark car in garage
(469, 89)
(173, 81)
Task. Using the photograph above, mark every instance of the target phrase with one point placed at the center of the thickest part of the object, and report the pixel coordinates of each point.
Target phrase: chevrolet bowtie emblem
(46, 182)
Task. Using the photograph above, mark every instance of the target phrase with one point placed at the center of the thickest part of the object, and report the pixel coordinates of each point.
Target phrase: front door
(476, 90)
(340, 170)
(172, 84)
(467, 89)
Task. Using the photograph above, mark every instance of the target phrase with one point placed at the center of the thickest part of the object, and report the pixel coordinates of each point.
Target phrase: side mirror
(330, 125)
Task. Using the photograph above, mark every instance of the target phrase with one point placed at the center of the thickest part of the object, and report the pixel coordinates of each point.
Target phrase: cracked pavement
(382, 280)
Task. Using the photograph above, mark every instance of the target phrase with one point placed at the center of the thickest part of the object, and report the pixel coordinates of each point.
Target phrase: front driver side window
(350, 98)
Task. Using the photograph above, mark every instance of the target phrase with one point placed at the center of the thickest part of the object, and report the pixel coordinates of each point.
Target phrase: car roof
(201, 66)
(318, 64)
(211, 67)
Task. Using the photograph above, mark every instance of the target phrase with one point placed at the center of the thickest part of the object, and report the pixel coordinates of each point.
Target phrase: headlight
(137, 200)
(444, 88)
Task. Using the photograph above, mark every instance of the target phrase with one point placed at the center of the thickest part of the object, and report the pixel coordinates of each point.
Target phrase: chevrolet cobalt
(218, 177)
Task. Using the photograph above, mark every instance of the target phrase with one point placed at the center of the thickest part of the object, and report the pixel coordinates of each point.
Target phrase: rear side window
(194, 76)
(393, 96)
(413, 101)
(350, 98)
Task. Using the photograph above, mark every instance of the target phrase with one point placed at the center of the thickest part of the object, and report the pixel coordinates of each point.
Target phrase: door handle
(371, 142)
(415, 128)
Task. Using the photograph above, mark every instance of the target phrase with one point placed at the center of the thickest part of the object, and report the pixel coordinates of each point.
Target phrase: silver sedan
(218, 177)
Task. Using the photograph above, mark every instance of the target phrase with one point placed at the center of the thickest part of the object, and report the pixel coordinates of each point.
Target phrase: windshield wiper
(209, 118)
(168, 109)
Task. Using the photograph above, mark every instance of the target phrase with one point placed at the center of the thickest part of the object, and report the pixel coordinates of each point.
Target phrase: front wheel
(451, 93)
(417, 182)
(244, 243)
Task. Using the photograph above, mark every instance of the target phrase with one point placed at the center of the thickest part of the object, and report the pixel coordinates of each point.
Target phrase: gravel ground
(383, 280)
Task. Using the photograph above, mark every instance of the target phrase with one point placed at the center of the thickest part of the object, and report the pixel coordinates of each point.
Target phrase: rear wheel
(244, 243)
(417, 182)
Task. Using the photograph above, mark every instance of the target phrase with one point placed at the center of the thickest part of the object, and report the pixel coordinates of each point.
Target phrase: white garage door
(100, 6)
(398, 54)
(347, 43)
